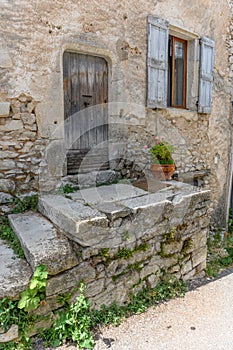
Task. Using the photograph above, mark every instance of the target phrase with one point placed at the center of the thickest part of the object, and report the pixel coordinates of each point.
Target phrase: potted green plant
(162, 163)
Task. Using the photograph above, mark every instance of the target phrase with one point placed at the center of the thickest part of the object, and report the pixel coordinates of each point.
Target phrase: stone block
(187, 267)
(13, 125)
(28, 118)
(10, 335)
(70, 279)
(153, 280)
(15, 273)
(42, 243)
(81, 223)
(5, 198)
(199, 240)
(201, 267)
(180, 209)
(148, 270)
(199, 256)
(200, 197)
(172, 248)
(167, 262)
(7, 164)
(8, 154)
(112, 267)
(113, 293)
(189, 275)
(174, 268)
(94, 288)
(4, 107)
(132, 279)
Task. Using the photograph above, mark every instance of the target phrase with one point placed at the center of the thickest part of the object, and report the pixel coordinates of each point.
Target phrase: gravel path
(202, 320)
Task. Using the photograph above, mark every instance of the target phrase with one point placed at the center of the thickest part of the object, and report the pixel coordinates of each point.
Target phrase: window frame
(172, 75)
(198, 84)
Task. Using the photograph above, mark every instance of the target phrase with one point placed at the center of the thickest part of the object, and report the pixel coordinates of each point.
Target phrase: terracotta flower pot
(162, 171)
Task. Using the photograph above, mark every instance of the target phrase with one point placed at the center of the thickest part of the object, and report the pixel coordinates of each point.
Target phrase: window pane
(178, 73)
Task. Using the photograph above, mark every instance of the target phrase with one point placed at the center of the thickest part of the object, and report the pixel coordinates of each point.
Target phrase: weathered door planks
(85, 111)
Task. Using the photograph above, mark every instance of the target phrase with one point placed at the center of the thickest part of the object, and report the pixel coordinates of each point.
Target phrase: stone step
(77, 220)
(84, 215)
(43, 243)
(15, 273)
(108, 194)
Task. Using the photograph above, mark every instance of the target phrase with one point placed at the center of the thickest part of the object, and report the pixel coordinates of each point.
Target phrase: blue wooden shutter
(157, 62)
(206, 75)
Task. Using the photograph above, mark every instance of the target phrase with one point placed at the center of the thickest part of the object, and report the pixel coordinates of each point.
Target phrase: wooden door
(85, 109)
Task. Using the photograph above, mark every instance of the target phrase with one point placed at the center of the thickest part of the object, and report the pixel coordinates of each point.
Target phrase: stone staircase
(84, 236)
(46, 237)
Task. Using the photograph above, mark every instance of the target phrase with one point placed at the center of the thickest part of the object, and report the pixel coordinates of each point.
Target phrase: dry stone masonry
(116, 239)
(21, 151)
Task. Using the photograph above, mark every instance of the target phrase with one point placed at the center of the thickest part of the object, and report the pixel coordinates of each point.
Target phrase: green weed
(31, 297)
(76, 322)
(8, 235)
(20, 205)
(66, 189)
(73, 324)
(220, 254)
(17, 312)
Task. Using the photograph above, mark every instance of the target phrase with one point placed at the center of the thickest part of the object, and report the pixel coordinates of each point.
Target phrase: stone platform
(116, 239)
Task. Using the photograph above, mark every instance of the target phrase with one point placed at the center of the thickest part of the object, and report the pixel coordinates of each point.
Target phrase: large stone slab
(15, 273)
(111, 193)
(42, 243)
(81, 223)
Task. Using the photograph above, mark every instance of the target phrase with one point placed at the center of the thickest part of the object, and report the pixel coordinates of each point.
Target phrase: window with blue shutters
(179, 68)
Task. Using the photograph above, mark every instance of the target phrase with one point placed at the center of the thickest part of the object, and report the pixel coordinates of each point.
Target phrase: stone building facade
(35, 35)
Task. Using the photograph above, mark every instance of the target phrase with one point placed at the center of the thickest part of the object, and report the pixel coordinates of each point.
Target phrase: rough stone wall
(31, 66)
(21, 150)
(172, 240)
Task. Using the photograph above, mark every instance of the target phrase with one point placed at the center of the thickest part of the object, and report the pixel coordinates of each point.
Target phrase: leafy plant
(31, 297)
(76, 321)
(161, 152)
(63, 298)
(73, 324)
(25, 203)
(9, 315)
(66, 189)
